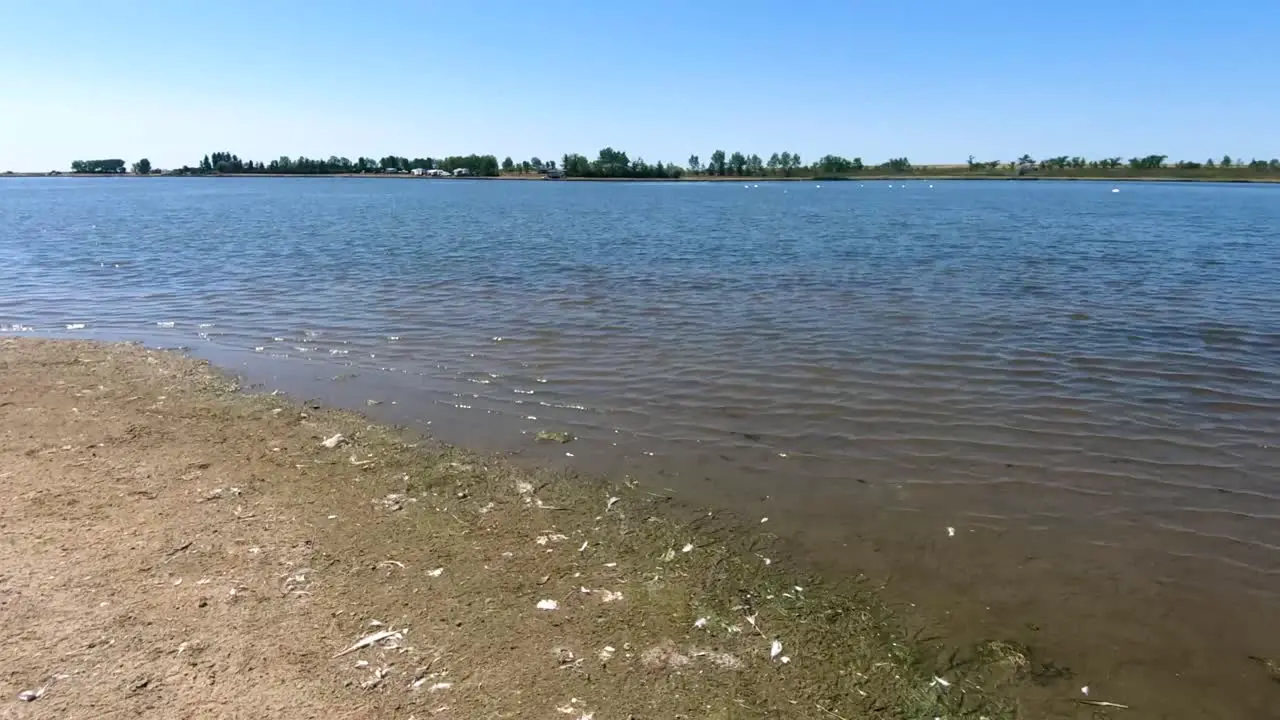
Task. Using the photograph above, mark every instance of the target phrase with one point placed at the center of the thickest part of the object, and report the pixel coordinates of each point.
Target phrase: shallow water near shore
(1083, 385)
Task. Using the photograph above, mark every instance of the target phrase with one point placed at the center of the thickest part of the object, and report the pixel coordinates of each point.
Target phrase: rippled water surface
(1096, 372)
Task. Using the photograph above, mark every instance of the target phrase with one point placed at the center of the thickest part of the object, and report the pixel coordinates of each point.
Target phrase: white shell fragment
(334, 441)
(548, 605)
(31, 695)
(370, 639)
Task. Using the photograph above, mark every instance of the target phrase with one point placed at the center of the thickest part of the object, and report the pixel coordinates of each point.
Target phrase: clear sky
(934, 80)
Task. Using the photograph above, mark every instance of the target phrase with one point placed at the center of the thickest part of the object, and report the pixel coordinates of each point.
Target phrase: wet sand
(1121, 610)
(177, 549)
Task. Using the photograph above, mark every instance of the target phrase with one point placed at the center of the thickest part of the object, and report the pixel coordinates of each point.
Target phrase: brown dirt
(176, 549)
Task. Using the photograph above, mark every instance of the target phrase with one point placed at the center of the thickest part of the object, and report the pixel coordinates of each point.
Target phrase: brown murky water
(1043, 412)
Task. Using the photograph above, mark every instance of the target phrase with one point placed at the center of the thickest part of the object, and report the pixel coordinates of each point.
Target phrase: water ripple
(1058, 350)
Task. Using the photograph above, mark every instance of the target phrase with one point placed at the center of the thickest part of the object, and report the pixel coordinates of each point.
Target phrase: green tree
(142, 167)
(738, 164)
(535, 163)
(773, 163)
(507, 164)
(1226, 161)
(1150, 162)
(101, 167)
(785, 162)
(695, 164)
(717, 165)
(576, 165)
(612, 163)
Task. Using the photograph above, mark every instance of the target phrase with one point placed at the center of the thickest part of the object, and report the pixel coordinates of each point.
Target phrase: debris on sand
(1271, 665)
(32, 695)
(569, 709)
(548, 605)
(334, 441)
(610, 503)
(394, 501)
(557, 436)
(610, 596)
(378, 675)
(372, 639)
(775, 649)
(667, 655)
(1103, 704)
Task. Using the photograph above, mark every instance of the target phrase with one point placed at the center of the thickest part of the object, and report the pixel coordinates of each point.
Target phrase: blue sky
(929, 79)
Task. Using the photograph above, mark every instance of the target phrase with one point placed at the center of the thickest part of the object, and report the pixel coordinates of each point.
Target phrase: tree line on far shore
(611, 163)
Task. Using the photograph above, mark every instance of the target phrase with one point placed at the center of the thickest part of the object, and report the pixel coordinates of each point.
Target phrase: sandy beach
(178, 549)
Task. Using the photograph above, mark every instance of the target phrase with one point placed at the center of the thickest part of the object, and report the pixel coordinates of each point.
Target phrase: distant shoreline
(905, 177)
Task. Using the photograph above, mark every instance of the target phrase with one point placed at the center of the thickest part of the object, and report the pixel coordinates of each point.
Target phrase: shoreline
(922, 177)
(223, 523)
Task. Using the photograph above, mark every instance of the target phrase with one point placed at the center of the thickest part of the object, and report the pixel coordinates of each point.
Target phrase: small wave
(75, 326)
(164, 323)
(565, 406)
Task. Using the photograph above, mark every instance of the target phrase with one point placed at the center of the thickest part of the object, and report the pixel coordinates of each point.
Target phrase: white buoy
(930, 187)
(819, 187)
(1115, 189)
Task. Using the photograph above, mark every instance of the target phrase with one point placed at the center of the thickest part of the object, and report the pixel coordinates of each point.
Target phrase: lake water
(1084, 385)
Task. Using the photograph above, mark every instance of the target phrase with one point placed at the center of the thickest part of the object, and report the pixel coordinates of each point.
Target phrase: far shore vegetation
(611, 164)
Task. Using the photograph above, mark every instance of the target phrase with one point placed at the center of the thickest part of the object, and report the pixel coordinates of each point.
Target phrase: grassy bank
(181, 549)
